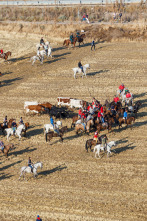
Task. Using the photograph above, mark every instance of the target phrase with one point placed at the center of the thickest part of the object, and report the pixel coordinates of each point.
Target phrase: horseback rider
(42, 41)
(30, 164)
(71, 38)
(2, 52)
(78, 35)
(80, 66)
(116, 99)
(125, 115)
(104, 142)
(96, 136)
(21, 121)
(54, 125)
(2, 146)
(121, 87)
(80, 113)
(46, 48)
(14, 125)
(5, 123)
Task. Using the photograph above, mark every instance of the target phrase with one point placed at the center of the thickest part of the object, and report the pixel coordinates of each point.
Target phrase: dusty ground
(73, 185)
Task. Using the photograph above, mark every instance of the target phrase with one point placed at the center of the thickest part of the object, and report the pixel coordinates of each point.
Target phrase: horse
(91, 142)
(48, 127)
(79, 70)
(104, 126)
(35, 58)
(5, 55)
(3, 127)
(18, 131)
(98, 148)
(52, 134)
(26, 127)
(128, 121)
(28, 170)
(7, 148)
(84, 127)
(80, 39)
(74, 119)
(68, 41)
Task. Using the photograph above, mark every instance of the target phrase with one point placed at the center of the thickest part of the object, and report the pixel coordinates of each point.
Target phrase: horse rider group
(14, 125)
(72, 36)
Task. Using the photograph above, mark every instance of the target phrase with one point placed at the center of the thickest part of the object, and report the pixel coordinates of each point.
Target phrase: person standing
(38, 218)
(93, 45)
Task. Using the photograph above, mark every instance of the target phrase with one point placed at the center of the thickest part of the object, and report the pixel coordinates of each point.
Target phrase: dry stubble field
(73, 185)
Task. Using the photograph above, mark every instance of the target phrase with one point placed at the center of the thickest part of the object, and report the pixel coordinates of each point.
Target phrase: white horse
(35, 58)
(78, 70)
(98, 147)
(18, 131)
(28, 169)
(48, 127)
(49, 54)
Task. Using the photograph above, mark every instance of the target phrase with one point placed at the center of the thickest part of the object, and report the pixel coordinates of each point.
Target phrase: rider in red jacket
(128, 95)
(116, 99)
(121, 87)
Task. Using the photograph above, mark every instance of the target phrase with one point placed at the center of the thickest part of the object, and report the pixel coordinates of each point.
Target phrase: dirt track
(73, 185)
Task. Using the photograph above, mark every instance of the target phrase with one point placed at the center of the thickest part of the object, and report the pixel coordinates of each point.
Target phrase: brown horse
(5, 56)
(91, 142)
(128, 121)
(26, 127)
(68, 41)
(74, 119)
(104, 126)
(7, 148)
(85, 128)
(52, 134)
(80, 39)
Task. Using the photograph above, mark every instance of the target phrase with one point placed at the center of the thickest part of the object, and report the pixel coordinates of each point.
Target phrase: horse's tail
(64, 42)
(46, 137)
(86, 145)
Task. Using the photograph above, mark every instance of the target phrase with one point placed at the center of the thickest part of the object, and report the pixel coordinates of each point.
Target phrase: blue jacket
(52, 121)
(125, 114)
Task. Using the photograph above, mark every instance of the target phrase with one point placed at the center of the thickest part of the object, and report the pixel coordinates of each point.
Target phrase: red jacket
(116, 99)
(99, 114)
(101, 109)
(96, 134)
(128, 95)
(80, 112)
(2, 51)
(83, 115)
(88, 108)
(121, 87)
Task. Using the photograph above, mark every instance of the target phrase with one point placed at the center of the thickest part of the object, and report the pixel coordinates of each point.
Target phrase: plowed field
(73, 185)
